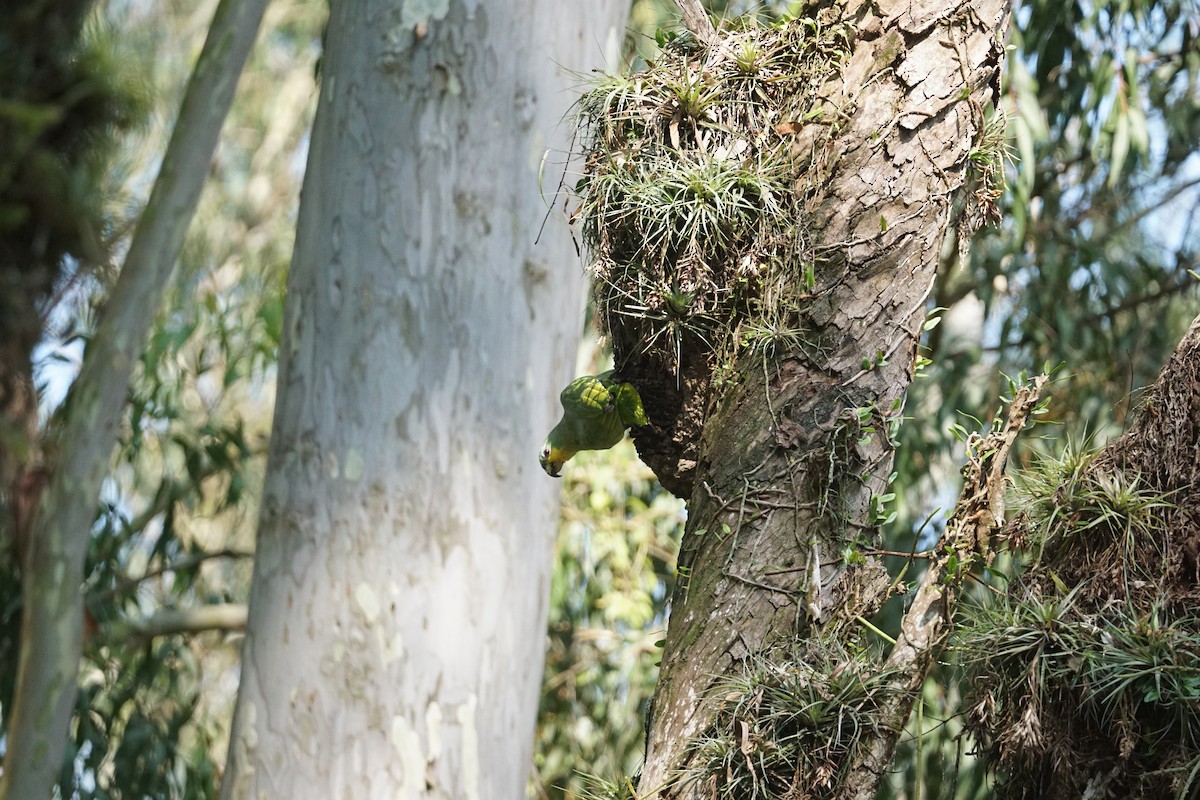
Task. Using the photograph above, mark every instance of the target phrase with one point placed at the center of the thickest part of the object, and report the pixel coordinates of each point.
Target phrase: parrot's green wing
(592, 396)
(586, 396)
(625, 399)
(629, 405)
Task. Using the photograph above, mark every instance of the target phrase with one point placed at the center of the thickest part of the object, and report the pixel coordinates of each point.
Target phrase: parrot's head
(552, 458)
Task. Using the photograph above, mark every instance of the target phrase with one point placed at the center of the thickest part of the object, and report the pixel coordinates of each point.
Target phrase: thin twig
(128, 583)
(874, 551)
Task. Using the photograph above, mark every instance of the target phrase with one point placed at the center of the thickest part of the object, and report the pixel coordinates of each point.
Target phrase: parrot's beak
(551, 461)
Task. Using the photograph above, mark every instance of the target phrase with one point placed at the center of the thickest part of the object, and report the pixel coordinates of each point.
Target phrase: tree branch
(925, 628)
(221, 617)
(128, 583)
(695, 18)
(52, 572)
(1172, 193)
(1181, 283)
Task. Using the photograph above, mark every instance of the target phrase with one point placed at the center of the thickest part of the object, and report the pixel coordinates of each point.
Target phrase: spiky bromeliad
(596, 411)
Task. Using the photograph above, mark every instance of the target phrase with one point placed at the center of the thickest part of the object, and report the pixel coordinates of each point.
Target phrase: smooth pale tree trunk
(394, 644)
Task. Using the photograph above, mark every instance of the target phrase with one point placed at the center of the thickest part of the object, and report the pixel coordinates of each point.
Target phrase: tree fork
(795, 451)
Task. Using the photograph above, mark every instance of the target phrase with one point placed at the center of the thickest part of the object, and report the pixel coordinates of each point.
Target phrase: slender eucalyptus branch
(926, 626)
(52, 572)
(1152, 208)
(128, 583)
(1181, 284)
(220, 617)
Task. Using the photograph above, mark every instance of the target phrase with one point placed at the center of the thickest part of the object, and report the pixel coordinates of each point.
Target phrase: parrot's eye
(546, 452)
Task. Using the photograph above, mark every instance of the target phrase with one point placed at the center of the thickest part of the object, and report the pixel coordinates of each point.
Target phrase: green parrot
(596, 412)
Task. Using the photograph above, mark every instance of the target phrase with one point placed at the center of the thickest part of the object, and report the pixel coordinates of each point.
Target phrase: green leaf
(1120, 147)
(1027, 157)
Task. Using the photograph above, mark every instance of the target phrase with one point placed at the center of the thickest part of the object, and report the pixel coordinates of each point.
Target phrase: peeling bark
(697, 21)
(796, 447)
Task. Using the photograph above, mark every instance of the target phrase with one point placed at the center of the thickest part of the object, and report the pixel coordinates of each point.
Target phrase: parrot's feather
(586, 397)
(629, 405)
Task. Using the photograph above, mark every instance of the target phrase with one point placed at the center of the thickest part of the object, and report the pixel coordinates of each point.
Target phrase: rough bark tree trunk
(796, 450)
(397, 616)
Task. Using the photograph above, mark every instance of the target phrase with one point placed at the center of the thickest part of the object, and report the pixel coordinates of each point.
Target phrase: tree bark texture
(796, 450)
(695, 18)
(56, 546)
(396, 629)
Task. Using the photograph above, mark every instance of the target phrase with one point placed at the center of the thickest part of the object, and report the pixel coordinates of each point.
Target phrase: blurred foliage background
(1092, 267)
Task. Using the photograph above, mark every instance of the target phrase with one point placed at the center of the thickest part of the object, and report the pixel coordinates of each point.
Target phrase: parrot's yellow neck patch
(561, 456)
(552, 458)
